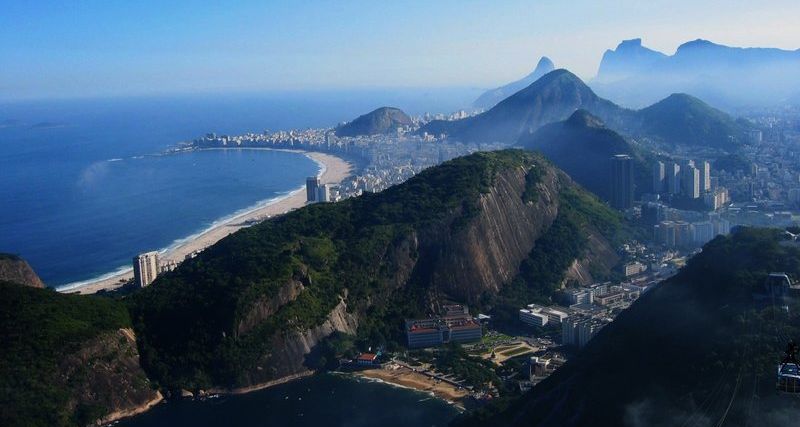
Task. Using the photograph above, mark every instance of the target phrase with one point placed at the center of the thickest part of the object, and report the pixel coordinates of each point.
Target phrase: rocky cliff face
(104, 375)
(292, 347)
(487, 253)
(15, 269)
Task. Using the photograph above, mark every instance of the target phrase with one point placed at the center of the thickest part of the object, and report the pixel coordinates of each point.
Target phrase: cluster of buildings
(316, 191)
(146, 267)
(454, 325)
(683, 178)
(381, 160)
(675, 228)
(689, 180)
(587, 309)
(682, 234)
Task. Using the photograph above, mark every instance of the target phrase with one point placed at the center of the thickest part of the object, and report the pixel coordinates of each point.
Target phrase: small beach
(333, 170)
(404, 377)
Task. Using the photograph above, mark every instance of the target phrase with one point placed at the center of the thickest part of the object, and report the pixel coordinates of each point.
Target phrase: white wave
(180, 242)
(75, 285)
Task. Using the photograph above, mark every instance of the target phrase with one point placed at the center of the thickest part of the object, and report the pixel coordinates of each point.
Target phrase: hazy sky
(106, 48)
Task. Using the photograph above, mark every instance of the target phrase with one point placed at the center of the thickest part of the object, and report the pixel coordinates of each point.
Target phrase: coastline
(332, 171)
(130, 412)
(399, 376)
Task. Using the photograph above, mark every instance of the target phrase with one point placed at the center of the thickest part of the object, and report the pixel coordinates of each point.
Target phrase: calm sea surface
(322, 400)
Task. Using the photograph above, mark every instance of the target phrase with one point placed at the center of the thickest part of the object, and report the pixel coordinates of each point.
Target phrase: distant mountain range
(582, 147)
(549, 99)
(383, 120)
(490, 98)
(727, 76)
(678, 120)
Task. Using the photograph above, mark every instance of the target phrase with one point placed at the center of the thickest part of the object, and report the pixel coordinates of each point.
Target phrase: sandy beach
(402, 376)
(334, 170)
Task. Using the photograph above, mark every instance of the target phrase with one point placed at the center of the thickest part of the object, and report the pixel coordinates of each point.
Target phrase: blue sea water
(84, 184)
(322, 400)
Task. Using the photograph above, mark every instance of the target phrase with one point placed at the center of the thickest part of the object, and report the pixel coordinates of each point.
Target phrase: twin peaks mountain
(728, 76)
(678, 120)
(384, 120)
(490, 98)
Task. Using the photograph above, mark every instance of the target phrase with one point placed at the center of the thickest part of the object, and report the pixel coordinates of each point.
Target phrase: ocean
(85, 184)
(321, 400)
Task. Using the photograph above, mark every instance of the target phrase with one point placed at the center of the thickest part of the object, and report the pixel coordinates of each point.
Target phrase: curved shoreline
(332, 170)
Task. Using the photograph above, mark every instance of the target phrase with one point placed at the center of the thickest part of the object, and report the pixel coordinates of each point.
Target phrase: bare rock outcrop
(15, 269)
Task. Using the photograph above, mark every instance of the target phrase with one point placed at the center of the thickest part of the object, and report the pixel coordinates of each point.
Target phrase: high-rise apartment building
(690, 181)
(312, 188)
(659, 177)
(145, 268)
(705, 176)
(622, 181)
(673, 178)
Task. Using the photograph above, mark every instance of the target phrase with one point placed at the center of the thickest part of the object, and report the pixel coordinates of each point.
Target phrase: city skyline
(100, 49)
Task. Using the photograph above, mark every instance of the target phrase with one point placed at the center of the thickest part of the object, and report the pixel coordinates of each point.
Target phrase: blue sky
(108, 48)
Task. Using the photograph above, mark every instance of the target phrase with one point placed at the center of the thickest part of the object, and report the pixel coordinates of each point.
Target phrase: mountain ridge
(491, 97)
(558, 94)
(761, 76)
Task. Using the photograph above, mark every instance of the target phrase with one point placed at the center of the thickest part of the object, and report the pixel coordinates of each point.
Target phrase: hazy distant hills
(697, 350)
(628, 58)
(687, 120)
(490, 98)
(582, 147)
(727, 76)
(552, 98)
(383, 120)
(677, 120)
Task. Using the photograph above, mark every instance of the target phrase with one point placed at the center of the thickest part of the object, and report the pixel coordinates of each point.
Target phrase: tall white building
(324, 193)
(145, 268)
(673, 177)
(705, 177)
(312, 188)
(659, 177)
(690, 181)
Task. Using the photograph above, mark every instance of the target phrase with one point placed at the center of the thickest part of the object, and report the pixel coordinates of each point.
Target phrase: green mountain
(383, 120)
(700, 349)
(582, 147)
(494, 230)
(552, 98)
(66, 360)
(685, 120)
